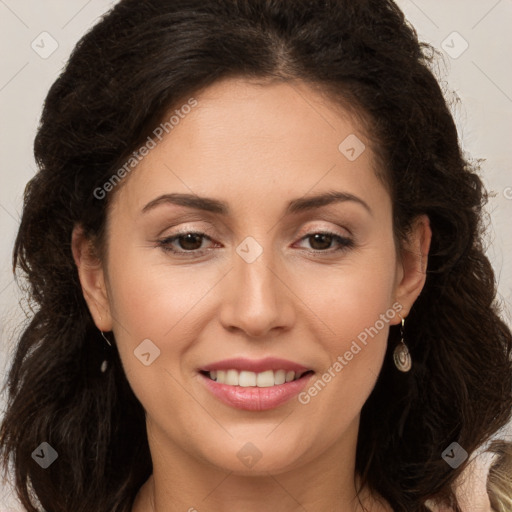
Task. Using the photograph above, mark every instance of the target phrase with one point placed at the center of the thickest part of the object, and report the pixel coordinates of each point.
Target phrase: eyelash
(165, 243)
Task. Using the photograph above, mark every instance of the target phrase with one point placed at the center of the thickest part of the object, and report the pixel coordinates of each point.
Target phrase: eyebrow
(220, 207)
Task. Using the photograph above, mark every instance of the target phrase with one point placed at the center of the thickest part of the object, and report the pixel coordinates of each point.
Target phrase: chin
(257, 457)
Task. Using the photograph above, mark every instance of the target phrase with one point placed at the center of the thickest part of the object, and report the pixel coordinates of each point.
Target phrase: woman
(256, 249)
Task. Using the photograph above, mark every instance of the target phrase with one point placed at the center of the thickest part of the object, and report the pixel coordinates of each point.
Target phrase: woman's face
(243, 166)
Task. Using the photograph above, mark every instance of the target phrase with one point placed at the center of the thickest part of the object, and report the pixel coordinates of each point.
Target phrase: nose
(257, 298)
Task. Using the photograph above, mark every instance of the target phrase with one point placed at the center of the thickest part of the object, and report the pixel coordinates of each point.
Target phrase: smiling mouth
(265, 379)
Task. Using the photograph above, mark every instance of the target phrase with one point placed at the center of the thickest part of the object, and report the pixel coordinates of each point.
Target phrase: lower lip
(253, 398)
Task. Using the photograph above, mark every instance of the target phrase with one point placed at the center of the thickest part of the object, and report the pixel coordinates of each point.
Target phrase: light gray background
(480, 76)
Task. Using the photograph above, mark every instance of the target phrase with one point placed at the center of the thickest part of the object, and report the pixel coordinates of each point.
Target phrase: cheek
(355, 309)
(354, 318)
(159, 302)
(356, 350)
(352, 296)
(150, 299)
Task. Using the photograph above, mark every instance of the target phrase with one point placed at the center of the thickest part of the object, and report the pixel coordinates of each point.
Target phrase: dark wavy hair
(130, 69)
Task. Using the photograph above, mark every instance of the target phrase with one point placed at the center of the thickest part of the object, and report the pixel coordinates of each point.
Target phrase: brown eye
(326, 242)
(190, 241)
(184, 243)
(320, 241)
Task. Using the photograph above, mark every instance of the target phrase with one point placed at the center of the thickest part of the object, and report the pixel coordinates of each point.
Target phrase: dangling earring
(104, 364)
(104, 337)
(401, 355)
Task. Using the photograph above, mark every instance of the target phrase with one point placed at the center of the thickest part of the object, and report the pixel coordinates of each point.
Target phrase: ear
(92, 278)
(412, 264)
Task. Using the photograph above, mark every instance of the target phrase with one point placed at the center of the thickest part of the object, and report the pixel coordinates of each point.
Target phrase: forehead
(257, 142)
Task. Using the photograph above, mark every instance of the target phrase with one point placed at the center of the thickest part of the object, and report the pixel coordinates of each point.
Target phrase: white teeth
(280, 377)
(231, 378)
(246, 379)
(265, 379)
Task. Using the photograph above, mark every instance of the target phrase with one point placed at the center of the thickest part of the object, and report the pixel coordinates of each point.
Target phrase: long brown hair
(139, 61)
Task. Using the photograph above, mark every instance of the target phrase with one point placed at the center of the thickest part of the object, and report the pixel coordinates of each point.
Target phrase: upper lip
(255, 365)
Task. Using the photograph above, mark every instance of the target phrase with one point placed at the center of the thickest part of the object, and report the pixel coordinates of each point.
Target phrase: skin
(256, 146)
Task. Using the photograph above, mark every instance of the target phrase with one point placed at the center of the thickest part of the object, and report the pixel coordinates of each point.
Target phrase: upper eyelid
(210, 229)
